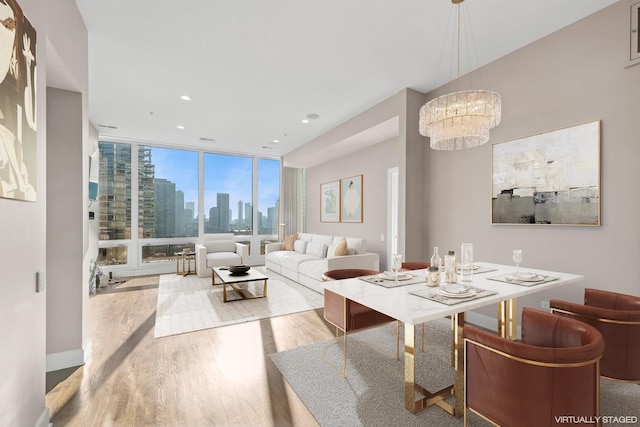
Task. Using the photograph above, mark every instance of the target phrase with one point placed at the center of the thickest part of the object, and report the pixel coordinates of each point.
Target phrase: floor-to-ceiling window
(148, 216)
(167, 201)
(114, 203)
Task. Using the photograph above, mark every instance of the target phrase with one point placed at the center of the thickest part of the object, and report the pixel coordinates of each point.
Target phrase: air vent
(207, 139)
(108, 126)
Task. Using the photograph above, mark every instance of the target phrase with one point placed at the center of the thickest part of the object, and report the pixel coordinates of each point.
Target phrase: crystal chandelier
(461, 119)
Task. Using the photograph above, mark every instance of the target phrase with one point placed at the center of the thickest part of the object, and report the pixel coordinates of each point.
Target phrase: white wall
(22, 234)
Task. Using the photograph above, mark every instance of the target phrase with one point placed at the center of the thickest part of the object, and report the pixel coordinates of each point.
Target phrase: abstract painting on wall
(17, 104)
(550, 178)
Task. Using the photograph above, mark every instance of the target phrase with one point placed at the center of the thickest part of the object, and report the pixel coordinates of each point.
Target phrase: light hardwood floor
(214, 377)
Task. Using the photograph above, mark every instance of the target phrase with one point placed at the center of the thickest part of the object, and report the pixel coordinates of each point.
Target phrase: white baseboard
(43, 419)
(68, 359)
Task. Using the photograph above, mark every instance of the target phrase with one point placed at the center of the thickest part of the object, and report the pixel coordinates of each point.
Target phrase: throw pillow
(317, 249)
(287, 244)
(300, 246)
(340, 249)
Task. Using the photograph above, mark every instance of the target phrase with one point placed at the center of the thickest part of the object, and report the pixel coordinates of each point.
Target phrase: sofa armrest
(201, 259)
(272, 247)
(243, 251)
(366, 261)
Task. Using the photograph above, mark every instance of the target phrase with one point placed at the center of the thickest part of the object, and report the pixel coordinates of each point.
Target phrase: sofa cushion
(307, 237)
(339, 249)
(313, 269)
(220, 259)
(325, 240)
(287, 243)
(220, 246)
(358, 245)
(295, 260)
(277, 257)
(300, 246)
(317, 249)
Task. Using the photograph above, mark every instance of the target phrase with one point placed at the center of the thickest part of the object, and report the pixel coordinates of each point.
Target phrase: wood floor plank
(214, 377)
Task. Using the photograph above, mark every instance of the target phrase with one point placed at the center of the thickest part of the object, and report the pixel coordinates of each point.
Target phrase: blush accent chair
(349, 316)
(617, 317)
(553, 371)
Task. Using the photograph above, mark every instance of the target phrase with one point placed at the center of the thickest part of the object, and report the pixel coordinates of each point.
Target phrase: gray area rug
(190, 303)
(373, 392)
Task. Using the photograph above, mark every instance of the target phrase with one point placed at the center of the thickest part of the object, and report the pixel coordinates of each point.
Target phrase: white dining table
(398, 303)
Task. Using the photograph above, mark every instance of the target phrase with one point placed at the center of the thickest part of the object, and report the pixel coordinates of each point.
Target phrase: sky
(223, 174)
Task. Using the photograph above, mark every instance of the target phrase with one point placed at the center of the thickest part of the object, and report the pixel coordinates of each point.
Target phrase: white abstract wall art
(549, 178)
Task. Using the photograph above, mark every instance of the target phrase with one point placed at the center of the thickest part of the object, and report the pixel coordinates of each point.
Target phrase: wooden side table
(185, 259)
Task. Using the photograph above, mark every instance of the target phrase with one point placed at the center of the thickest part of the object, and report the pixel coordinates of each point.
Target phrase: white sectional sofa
(309, 260)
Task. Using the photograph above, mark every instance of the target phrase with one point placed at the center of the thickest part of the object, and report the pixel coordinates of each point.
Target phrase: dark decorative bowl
(239, 269)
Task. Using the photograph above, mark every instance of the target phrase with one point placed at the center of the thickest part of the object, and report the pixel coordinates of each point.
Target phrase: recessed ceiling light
(312, 116)
(185, 98)
(180, 127)
(275, 141)
(305, 121)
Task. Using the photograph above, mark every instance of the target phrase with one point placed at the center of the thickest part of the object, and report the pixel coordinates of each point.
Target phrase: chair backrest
(560, 372)
(415, 265)
(617, 317)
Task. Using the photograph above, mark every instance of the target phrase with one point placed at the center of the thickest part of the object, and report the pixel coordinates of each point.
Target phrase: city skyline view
(168, 191)
(170, 165)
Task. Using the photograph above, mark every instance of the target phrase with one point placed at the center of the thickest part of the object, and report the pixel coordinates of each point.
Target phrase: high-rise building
(248, 217)
(115, 169)
(165, 208)
(180, 213)
(240, 216)
(146, 193)
(189, 211)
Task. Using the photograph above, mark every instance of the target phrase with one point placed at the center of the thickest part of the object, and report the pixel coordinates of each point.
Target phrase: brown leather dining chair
(350, 316)
(553, 371)
(617, 317)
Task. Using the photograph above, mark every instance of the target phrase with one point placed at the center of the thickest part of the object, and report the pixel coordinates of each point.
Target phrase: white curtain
(293, 206)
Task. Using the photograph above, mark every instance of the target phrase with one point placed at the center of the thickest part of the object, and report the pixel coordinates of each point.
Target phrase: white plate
(467, 294)
(390, 275)
(526, 277)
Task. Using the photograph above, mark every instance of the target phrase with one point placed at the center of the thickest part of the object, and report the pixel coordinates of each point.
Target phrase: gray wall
(23, 231)
(379, 158)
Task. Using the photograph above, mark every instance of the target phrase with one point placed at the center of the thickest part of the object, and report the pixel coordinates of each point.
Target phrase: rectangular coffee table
(233, 280)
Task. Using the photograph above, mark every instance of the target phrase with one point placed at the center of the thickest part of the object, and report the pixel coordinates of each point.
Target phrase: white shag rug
(190, 303)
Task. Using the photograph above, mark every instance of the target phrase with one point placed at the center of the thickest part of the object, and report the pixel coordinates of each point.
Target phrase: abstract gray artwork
(550, 178)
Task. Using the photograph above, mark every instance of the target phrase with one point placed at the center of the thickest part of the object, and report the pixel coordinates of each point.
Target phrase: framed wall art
(351, 199)
(550, 178)
(330, 202)
(17, 104)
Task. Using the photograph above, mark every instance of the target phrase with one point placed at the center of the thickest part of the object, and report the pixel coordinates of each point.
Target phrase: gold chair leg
(344, 373)
(397, 340)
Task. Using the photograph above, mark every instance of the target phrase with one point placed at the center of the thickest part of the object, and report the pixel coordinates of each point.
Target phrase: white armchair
(218, 250)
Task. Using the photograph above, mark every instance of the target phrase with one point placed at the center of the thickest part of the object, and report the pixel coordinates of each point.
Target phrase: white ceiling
(254, 69)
